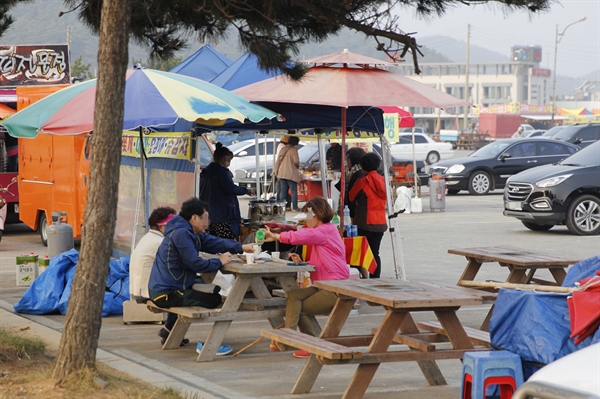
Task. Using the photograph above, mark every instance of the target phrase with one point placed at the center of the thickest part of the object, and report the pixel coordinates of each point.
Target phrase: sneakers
(223, 349)
(164, 334)
(301, 354)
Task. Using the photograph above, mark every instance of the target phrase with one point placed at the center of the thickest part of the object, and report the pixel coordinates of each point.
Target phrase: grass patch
(27, 372)
(14, 347)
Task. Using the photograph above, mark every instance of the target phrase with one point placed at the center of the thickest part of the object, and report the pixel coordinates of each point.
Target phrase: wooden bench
(477, 337)
(314, 345)
(247, 312)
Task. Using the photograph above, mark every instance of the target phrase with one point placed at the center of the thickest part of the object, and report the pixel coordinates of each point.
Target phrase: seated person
(173, 279)
(329, 258)
(144, 253)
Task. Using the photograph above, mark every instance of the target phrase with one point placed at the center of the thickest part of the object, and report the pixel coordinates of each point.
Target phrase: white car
(576, 375)
(244, 153)
(426, 149)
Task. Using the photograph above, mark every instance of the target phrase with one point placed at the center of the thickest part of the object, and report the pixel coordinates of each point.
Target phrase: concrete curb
(129, 362)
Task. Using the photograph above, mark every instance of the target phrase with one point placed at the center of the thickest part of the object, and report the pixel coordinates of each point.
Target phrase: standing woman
(286, 171)
(328, 255)
(353, 173)
(219, 191)
(369, 196)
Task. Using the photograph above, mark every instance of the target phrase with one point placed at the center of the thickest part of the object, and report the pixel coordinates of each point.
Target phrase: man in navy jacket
(177, 262)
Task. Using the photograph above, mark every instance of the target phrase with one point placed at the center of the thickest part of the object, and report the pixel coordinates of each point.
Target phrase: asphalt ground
(425, 238)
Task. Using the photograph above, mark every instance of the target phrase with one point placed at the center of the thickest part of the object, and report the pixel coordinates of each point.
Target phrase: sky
(578, 51)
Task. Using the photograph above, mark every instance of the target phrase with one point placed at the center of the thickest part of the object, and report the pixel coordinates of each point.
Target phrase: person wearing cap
(518, 134)
(142, 257)
(281, 145)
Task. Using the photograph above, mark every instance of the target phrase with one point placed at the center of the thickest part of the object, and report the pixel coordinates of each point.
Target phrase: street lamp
(558, 38)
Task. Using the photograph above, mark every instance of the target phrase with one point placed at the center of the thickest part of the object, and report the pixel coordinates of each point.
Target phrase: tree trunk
(79, 340)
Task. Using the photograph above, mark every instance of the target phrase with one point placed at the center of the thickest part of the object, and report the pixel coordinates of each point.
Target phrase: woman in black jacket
(353, 173)
(220, 192)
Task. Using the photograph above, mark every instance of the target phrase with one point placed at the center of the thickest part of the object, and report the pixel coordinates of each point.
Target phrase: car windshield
(589, 156)
(491, 150)
(306, 152)
(566, 133)
(552, 131)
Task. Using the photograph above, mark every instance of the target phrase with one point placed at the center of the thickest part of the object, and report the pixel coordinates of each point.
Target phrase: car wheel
(583, 216)
(452, 191)
(432, 158)
(537, 227)
(480, 183)
(43, 228)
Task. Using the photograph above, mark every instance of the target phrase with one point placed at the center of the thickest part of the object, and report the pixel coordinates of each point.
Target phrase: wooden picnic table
(399, 299)
(236, 306)
(522, 265)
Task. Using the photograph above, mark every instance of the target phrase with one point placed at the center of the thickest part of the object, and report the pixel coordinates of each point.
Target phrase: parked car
(580, 135)
(572, 376)
(490, 167)
(552, 131)
(421, 130)
(309, 158)
(527, 128)
(565, 193)
(533, 133)
(244, 153)
(426, 148)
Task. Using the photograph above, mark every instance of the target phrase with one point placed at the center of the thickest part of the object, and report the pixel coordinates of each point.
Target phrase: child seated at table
(328, 255)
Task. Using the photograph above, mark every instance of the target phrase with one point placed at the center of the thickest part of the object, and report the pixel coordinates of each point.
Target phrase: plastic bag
(225, 281)
(403, 200)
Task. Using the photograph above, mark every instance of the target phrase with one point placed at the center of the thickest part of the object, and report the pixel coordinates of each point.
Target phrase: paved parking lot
(259, 373)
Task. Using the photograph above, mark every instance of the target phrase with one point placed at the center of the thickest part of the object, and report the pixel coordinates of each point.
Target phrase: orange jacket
(369, 195)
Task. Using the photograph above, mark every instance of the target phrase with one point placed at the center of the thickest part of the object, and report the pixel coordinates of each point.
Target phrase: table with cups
(249, 271)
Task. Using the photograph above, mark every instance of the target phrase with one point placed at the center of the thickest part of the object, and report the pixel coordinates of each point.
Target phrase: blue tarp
(244, 71)
(536, 325)
(204, 64)
(50, 292)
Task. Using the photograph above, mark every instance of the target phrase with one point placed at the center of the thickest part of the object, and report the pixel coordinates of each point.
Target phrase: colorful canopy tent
(244, 71)
(152, 99)
(204, 64)
(573, 112)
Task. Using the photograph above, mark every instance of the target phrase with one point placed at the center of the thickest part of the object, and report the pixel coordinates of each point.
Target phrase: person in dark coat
(353, 173)
(174, 280)
(369, 196)
(333, 156)
(220, 192)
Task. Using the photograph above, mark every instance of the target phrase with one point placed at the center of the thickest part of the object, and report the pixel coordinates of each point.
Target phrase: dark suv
(564, 193)
(580, 135)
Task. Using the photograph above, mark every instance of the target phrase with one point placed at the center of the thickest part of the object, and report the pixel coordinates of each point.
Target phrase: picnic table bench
(522, 265)
(236, 306)
(400, 299)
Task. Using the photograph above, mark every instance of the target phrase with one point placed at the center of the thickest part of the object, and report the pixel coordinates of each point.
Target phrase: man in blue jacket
(177, 263)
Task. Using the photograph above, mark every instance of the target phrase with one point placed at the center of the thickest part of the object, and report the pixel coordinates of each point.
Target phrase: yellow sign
(176, 145)
(390, 124)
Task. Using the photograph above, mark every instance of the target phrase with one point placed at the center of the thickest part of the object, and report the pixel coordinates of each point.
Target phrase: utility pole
(69, 49)
(466, 120)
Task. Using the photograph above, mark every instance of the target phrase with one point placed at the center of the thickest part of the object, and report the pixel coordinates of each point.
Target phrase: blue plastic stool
(497, 367)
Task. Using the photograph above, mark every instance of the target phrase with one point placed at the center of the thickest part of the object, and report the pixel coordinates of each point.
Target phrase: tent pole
(393, 218)
(415, 188)
(257, 158)
(343, 169)
(323, 165)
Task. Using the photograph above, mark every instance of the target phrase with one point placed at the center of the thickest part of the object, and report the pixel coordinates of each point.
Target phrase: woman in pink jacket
(328, 255)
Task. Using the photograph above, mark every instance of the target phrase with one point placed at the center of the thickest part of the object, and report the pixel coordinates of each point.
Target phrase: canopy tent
(244, 71)
(405, 118)
(573, 112)
(344, 80)
(205, 64)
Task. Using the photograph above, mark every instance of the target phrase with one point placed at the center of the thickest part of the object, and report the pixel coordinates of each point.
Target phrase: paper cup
(249, 258)
(275, 255)
(257, 250)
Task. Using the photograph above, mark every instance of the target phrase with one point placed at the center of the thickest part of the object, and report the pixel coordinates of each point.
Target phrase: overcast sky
(578, 50)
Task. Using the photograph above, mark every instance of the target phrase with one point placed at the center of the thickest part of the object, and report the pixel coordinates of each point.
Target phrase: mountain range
(39, 23)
